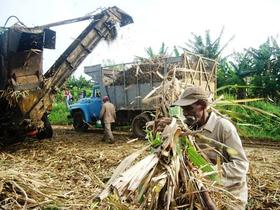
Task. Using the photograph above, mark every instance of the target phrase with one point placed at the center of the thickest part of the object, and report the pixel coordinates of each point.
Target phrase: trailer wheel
(3, 74)
(47, 131)
(78, 121)
(139, 124)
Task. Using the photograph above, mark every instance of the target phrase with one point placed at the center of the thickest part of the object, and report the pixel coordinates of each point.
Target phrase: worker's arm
(114, 112)
(102, 112)
(237, 166)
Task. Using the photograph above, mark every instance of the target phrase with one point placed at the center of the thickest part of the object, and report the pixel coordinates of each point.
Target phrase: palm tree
(257, 67)
(266, 68)
(233, 74)
(206, 47)
(162, 53)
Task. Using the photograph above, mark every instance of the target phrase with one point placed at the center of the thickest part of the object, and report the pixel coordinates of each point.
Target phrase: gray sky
(155, 21)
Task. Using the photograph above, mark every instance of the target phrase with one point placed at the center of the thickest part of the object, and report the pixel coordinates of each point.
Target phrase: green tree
(176, 51)
(232, 74)
(207, 47)
(212, 48)
(258, 68)
(80, 82)
(163, 52)
(266, 67)
(76, 87)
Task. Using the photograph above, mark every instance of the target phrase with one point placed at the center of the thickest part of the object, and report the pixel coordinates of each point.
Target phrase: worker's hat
(191, 95)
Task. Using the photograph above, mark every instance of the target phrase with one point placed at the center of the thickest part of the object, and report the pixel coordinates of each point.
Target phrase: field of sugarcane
(167, 171)
(69, 171)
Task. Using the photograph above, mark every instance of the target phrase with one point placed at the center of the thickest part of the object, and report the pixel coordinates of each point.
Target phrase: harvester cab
(26, 94)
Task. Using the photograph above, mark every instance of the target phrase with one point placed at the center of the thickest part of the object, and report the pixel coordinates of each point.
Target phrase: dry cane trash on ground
(71, 168)
(62, 173)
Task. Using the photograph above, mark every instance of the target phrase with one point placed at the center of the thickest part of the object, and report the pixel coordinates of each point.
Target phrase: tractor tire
(47, 131)
(3, 74)
(139, 125)
(78, 122)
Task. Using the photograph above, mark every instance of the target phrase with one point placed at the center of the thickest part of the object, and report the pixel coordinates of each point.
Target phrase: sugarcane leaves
(114, 200)
(94, 205)
(174, 176)
(154, 141)
(126, 163)
(158, 184)
(144, 186)
(198, 160)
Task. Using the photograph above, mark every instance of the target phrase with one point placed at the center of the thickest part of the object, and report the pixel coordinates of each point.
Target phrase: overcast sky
(155, 21)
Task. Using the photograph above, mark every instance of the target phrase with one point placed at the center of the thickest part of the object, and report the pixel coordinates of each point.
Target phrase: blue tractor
(86, 111)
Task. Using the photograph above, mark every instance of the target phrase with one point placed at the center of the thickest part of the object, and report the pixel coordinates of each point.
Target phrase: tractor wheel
(139, 125)
(47, 131)
(3, 74)
(78, 121)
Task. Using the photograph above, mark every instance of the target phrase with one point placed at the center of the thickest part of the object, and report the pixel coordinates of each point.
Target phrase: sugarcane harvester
(26, 93)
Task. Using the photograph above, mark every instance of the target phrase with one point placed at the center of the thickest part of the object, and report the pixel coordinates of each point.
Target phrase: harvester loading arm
(102, 26)
(26, 95)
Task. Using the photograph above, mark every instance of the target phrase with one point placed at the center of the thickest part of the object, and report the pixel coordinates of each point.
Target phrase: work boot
(103, 139)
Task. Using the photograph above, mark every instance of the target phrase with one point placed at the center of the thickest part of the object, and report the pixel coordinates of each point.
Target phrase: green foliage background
(76, 86)
(252, 124)
(59, 114)
(262, 127)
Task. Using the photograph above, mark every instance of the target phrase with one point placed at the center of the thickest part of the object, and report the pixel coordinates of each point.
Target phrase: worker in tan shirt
(194, 103)
(108, 115)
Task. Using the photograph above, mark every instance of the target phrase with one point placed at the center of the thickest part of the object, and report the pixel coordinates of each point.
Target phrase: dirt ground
(70, 169)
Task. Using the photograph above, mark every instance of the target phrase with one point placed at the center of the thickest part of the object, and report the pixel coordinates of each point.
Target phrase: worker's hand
(161, 123)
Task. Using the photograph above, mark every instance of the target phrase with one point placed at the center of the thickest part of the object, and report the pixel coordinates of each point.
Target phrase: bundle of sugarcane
(143, 72)
(163, 95)
(169, 90)
(176, 175)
